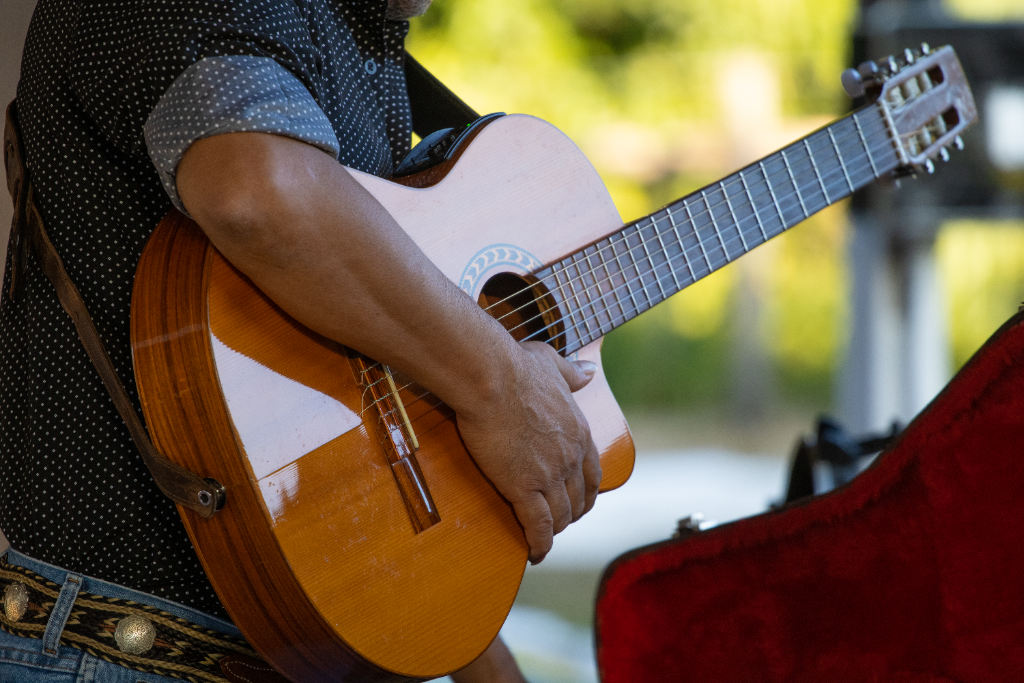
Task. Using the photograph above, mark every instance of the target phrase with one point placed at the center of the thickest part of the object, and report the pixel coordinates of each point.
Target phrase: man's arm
(495, 665)
(299, 225)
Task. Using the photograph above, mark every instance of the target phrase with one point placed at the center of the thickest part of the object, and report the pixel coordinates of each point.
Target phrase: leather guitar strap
(28, 232)
(433, 106)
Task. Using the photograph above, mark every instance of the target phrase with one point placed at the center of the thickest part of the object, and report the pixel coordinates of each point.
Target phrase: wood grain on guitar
(359, 540)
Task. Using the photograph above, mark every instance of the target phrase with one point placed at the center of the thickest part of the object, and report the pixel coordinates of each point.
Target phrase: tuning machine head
(856, 82)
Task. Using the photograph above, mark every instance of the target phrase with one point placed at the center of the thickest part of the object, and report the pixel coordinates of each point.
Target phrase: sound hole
(524, 307)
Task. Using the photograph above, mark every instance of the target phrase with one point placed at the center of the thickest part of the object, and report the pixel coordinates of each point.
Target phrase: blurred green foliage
(642, 86)
(982, 269)
(987, 10)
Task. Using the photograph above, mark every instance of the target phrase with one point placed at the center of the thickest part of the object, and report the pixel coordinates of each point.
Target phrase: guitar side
(316, 529)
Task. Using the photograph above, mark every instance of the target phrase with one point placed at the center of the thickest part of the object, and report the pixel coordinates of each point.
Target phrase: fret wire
(796, 187)
(891, 133)
(576, 295)
(561, 290)
(863, 140)
(611, 279)
(757, 216)
(839, 155)
(682, 246)
(714, 224)
(654, 268)
(771, 191)
(732, 212)
(600, 292)
(668, 261)
(638, 232)
(586, 291)
(625, 278)
(817, 174)
(639, 275)
(696, 234)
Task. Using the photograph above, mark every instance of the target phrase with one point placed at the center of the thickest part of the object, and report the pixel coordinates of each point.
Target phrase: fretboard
(628, 272)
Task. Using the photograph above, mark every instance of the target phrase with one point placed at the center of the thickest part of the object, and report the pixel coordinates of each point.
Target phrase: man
(241, 114)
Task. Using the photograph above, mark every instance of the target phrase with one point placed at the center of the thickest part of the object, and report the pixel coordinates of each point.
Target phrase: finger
(560, 505)
(577, 374)
(592, 477)
(576, 487)
(535, 516)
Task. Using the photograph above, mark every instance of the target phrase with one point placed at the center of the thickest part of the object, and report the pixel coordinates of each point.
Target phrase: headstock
(927, 101)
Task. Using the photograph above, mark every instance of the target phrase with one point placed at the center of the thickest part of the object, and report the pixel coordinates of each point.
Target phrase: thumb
(577, 374)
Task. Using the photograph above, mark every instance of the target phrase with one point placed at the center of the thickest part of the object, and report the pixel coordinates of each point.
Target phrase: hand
(534, 444)
(495, 665)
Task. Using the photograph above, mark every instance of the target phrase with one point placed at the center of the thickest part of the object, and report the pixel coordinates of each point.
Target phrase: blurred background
(864, 311)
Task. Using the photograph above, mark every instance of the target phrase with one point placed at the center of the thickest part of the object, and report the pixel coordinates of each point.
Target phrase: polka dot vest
(73, 490)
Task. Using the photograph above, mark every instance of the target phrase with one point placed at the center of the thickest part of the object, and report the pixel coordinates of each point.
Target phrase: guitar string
(736, 179)
(727, 257)
(791, 170)
(657, 271)
(741, 233)
(845, 172)
(796, 169)
(826, 180)
(886, 143)
(663, 240)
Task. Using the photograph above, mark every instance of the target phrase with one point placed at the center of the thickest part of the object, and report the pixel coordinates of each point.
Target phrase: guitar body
(316, 555)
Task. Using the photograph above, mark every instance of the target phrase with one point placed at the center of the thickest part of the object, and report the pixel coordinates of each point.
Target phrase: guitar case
(911, 573)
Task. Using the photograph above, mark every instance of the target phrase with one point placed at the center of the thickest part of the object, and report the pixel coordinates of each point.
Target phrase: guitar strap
(433, 106)
(28, 232)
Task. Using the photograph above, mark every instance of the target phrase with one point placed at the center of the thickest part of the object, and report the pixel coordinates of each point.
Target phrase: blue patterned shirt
(111, 95)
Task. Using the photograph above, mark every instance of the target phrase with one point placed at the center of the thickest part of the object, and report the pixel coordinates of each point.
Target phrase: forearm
(310, 237)
(495, 665)
(307, 234)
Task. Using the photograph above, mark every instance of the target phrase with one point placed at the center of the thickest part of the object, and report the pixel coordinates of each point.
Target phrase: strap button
(135, 635)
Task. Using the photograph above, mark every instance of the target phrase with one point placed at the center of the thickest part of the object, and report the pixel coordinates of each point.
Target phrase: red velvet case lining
(913, 573)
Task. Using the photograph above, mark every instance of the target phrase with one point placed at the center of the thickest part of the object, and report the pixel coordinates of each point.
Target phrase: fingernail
(589, 368)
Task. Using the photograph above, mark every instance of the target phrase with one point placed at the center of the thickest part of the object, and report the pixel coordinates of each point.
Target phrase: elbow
(243, 196)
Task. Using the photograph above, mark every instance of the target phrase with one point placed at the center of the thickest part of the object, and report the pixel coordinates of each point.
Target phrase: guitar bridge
(399, 441)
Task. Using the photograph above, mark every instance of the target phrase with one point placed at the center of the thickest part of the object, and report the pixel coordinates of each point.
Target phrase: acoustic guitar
(359, 540)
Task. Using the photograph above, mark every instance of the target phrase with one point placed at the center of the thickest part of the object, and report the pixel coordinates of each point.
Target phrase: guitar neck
(630, 271)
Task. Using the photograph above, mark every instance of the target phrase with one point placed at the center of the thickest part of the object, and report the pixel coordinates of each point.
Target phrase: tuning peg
(944, 154)
(926, 49)
(868, 70)
(959, 142)
(894, 68)
(908, 55)
(852, 82)
(929, 166)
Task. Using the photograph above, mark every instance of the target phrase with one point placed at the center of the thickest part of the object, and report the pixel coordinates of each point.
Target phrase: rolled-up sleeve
(231, 94)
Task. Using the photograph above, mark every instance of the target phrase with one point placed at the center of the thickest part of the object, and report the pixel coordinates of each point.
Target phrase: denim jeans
(26, 660)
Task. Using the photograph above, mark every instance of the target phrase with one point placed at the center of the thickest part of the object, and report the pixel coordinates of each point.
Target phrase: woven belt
(120, 631)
